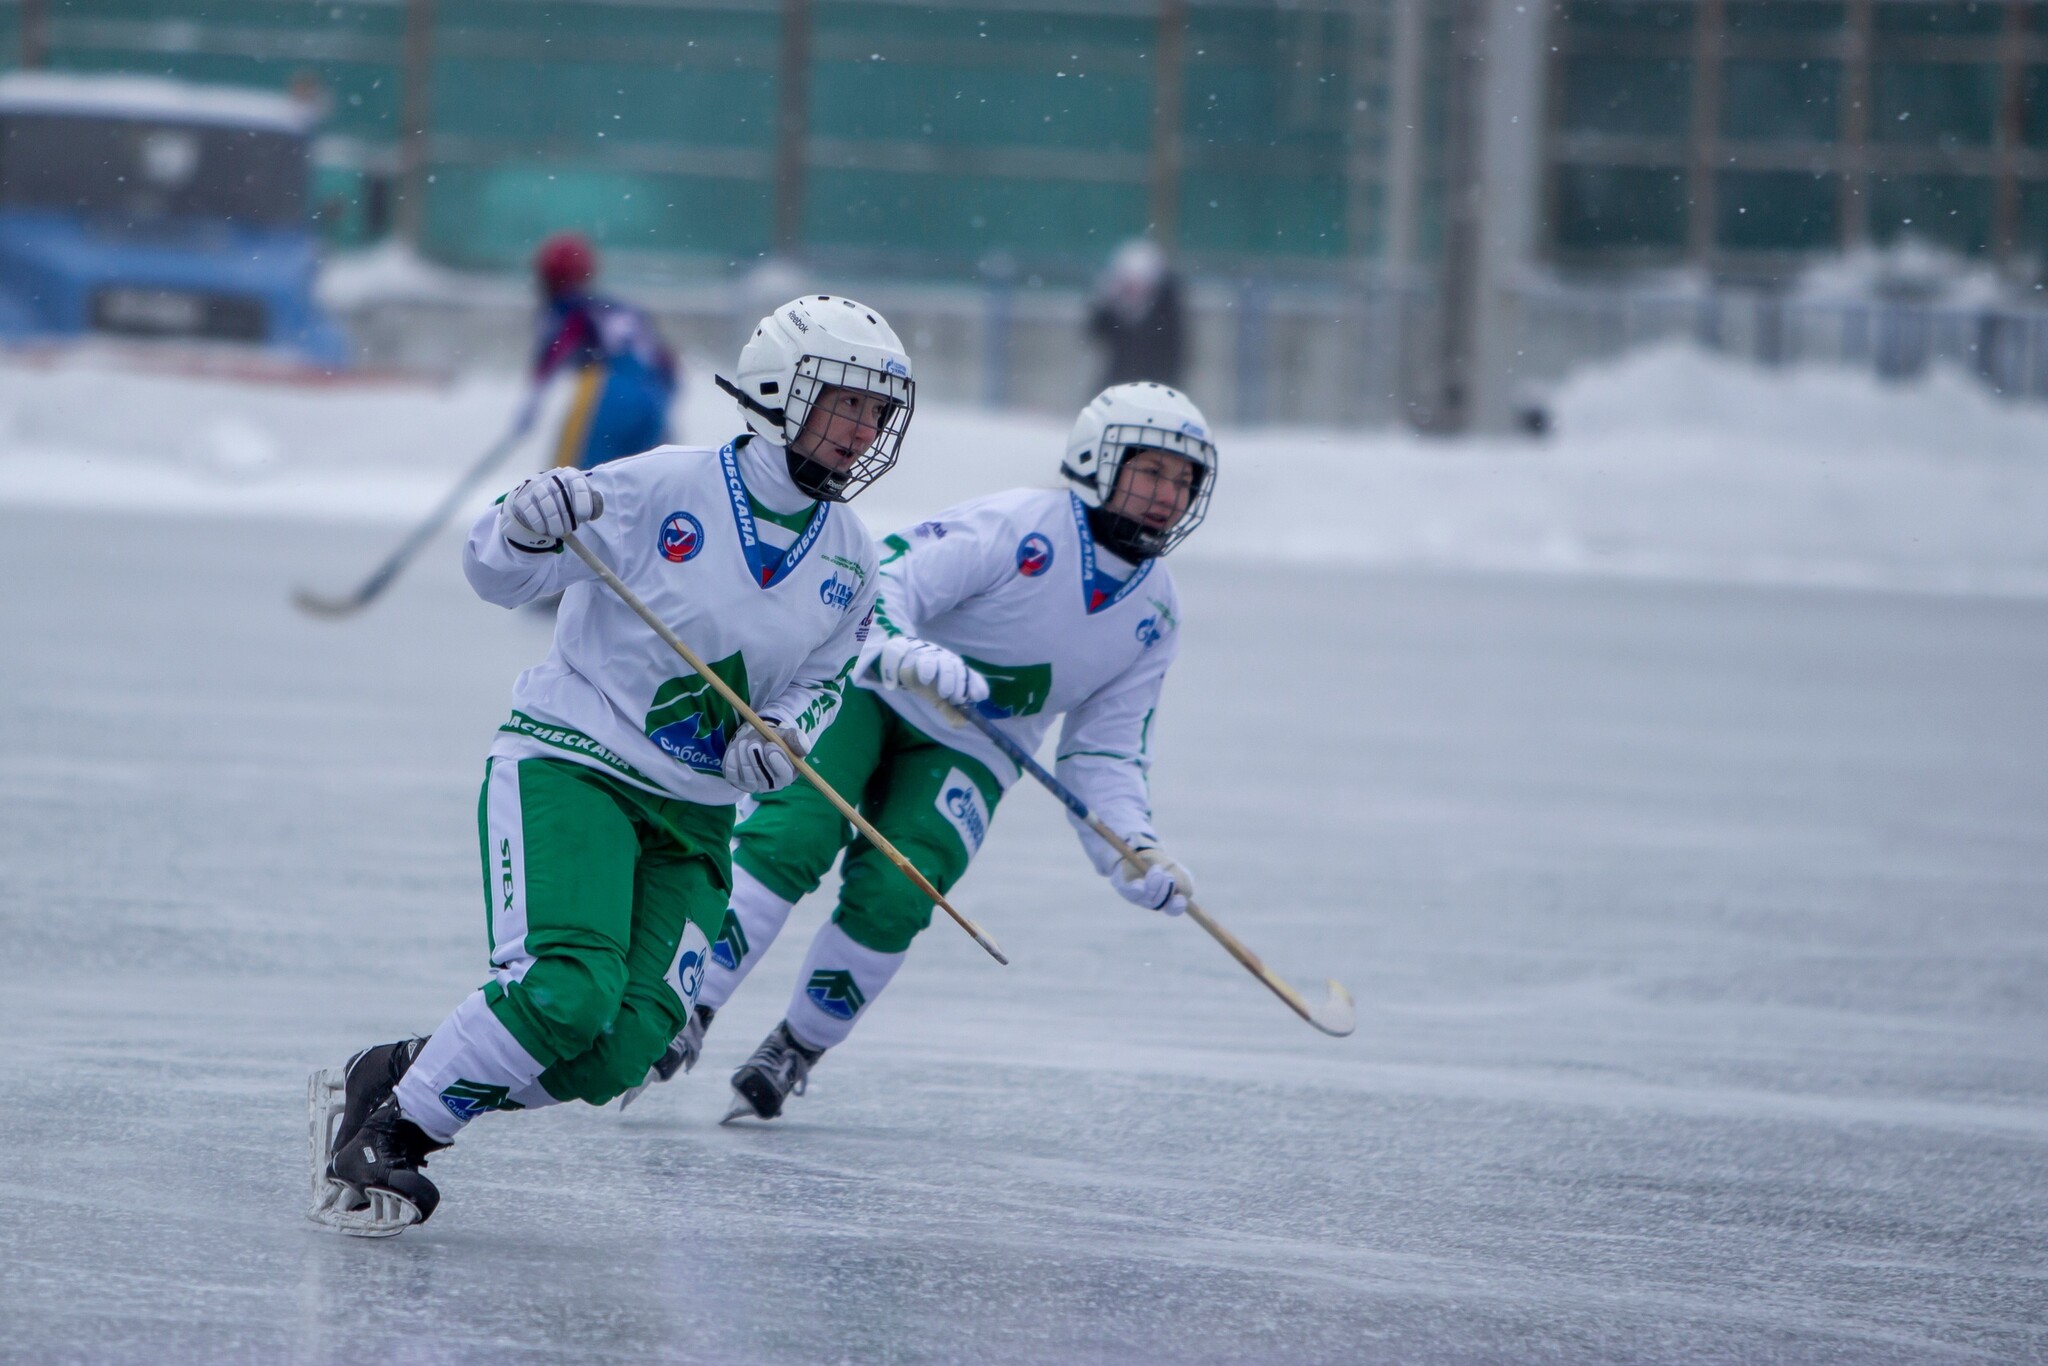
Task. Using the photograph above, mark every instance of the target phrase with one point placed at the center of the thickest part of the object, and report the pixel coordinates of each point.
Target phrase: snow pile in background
(1667, 463)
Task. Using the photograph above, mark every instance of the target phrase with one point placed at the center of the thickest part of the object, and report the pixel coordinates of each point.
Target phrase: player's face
(1154, 488)
(840, 427)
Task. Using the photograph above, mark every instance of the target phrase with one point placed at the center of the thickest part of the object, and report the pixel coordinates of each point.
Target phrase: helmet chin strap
(818, 480)
(1126, 536)
(750, 403)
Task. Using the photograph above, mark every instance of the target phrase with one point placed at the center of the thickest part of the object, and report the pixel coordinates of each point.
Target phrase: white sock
(761, 915)
(472, 1064)
(838, 981)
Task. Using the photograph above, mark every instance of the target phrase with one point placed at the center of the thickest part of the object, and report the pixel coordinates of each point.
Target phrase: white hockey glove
(536, 515)
(907, 662)
(754, 765)
(1160, 885)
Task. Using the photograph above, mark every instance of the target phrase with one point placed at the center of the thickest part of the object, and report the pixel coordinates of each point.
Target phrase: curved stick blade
(1335, 1015)
(315, 605)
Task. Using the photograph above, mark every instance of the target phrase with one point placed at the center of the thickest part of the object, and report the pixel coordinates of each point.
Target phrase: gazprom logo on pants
(687, 976)
(834, 991)
(959, 801)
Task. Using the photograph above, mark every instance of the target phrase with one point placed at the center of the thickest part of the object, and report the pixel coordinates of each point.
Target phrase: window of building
(1782, 211)
(1628, 96)
(1949, 211)
(1783, 16)
(1780, 101)
(1938, 18)
(1605, 208)
(1933, 102)
(1655, 16)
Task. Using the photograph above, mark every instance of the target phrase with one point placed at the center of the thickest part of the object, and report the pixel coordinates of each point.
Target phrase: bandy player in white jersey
(607, 808)
(1033, 605)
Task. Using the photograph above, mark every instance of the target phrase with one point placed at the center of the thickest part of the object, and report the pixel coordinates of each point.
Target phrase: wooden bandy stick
(1334, 1015)
(809, 774)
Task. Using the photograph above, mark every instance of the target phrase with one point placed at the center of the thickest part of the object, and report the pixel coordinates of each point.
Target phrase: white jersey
(687, 529)
(1015, 584)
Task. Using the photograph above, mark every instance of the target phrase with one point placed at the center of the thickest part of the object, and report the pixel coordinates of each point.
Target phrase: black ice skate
(338, 1100)
(380, 1164)
(370, 1076)
(780, 1068)
(680, 1056)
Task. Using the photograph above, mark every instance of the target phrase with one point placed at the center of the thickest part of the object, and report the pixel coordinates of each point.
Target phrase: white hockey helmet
(808, 345)
(1142, 416)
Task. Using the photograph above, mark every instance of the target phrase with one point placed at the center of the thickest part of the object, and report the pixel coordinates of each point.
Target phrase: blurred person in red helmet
(623, 372)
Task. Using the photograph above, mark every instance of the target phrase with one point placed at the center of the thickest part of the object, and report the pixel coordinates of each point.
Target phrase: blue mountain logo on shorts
(731, 945)
(468, 1099)
(833, 991)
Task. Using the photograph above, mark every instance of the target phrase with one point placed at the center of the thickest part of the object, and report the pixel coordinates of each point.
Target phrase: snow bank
(1668, 463)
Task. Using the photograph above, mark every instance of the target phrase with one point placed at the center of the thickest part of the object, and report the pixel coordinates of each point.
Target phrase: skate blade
(326, 1099)
(742, 1108)
(364, 1213)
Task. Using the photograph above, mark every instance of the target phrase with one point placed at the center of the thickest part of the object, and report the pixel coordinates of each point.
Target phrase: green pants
(933, 803)
(590, 888)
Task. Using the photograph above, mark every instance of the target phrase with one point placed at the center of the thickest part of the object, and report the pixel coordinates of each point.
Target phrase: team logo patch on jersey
(834, 991)
(691, 722)
(1149, 633)
(731, 945)
(959, 801)
(687, 977)
(1034, 555)
(836, 592)
(682, 536)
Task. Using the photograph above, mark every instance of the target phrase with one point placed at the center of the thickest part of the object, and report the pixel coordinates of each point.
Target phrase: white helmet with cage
(803, 348)
(1130, 417)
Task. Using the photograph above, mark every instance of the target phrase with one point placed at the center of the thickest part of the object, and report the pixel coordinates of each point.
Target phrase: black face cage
(1119, 439)
(815, 375)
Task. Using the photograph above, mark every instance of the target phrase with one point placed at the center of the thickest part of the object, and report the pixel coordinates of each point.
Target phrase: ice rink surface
(1697, 932)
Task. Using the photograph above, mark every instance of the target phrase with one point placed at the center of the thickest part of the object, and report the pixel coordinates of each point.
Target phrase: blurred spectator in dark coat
(1137, 317)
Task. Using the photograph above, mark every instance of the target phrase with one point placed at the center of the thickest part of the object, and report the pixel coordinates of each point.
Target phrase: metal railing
(1332, 356)
(2004, 346)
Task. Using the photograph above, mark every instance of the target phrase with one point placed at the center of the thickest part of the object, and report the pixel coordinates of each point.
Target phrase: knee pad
(879, 908)
(575, 995)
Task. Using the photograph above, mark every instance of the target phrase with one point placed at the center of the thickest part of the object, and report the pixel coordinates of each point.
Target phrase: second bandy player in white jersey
(1033, 605)
(607, 809)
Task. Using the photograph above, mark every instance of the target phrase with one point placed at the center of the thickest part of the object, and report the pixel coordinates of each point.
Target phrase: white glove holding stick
(926, 667)
(536, 515)
(1158, 884)
(755, 764)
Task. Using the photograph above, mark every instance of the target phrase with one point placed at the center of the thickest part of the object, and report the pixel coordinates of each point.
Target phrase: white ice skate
(337, 1205)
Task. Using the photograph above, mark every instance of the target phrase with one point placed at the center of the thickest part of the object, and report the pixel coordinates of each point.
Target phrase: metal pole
(1407, 54)
(415, 111)
(2011, 133)
(1450, 407)
(1855, 199)
(1702, 223)
(792, 123)
(1169, 85)
(35, 33)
